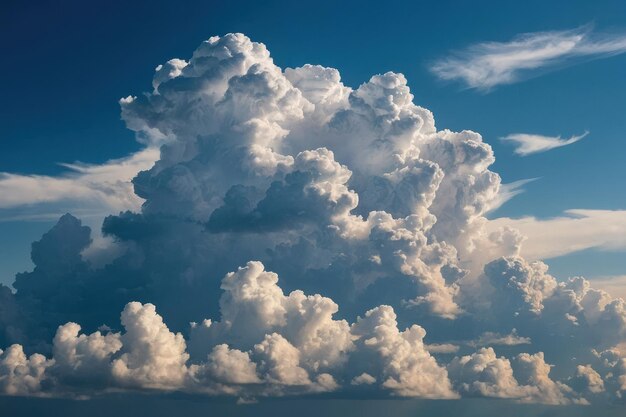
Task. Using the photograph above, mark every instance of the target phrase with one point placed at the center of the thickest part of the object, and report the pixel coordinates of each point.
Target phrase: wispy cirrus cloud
(89, 189)
(528, 143)
(508, 191)
(575, 230)
(485, 65)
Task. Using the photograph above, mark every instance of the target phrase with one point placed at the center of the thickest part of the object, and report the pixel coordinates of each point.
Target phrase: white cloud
(527, 144)
(614, 285)
(497, 339)
(364, 378)
(576, 230)
(404, 364)
(20, 374)
(152, 356)
(442, 348)
(88, 189)
(589, 379)
(485, 65)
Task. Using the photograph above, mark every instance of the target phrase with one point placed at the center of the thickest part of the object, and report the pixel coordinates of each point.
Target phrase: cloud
(615, 285)
(149, 356)
(576, 230)
(407, 367)
(508, 191)
(495, 339)
(89, 189)
(320, 238)
(486, 65)
(527, 144)
(484, 374)
(19, 374)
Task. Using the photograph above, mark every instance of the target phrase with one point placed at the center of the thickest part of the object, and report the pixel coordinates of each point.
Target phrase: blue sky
(67, 64)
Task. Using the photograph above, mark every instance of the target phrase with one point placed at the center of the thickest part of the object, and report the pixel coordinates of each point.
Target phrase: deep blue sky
(66, 64)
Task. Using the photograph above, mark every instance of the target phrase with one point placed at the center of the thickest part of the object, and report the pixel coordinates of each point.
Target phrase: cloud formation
(319, 238)
(91, 190)
(527, 144)
(575, 230)
(486, 65)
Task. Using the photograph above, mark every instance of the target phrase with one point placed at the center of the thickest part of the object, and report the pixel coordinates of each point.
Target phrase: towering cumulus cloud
(318, 238)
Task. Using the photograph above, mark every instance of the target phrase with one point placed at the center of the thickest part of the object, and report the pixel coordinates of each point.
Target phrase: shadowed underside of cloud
(486, 65)
(526, 144)
(318, 238)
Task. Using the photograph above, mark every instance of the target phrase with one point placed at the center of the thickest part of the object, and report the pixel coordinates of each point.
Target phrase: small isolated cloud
(497, 339)
(526, 143)
(485, 65)
(442, 348)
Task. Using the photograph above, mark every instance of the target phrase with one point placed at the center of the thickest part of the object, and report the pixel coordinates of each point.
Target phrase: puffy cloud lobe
(153, 356)
(149, 356)
(485, 374)
(19, 374)
(281, 361)
(533, 371)
(569, 309)
(230, 366)
(364, 378)
(253, 306)
(400, 358)
(525, 285)
(80, 357)
(314, 192)
(239, 105)
(482, 373)
(588, 379)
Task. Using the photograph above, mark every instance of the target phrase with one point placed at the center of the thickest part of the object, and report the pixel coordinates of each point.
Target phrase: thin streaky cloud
(508, 191)
(486, 65)
(528, 143)
(105, 188)
(573, 231)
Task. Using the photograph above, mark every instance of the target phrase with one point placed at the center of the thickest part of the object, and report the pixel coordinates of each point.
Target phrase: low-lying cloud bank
(390, 283)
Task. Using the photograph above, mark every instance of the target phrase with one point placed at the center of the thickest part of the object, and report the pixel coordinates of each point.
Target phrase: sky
(82, 114)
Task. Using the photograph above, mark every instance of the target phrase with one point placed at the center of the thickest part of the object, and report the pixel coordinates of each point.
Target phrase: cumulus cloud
(147, 355)
(484, 374)
(486, 65)
(494, 339)
(614, 285)
(319, 238)
(527, 144)
(403, 363)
